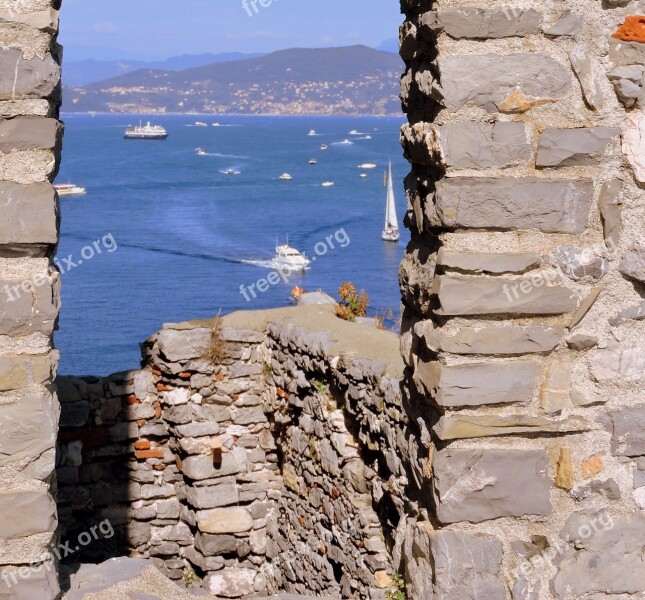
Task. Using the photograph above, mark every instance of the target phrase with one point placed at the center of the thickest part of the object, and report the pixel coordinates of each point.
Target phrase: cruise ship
(146, 132)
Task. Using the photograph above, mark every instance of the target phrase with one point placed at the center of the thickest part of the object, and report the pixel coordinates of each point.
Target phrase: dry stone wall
(30, 144)
(523, 290)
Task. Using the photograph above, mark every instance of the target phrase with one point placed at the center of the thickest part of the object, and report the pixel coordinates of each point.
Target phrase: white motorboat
(200, 124)
(200, 151)
(69, 189)
(289, 258)
(391, 229)
(324, 146)
(313, 161)
(145, 132)
(231, 172)
(327, 184)
(354, 132)
(312, 133)
(285, 177)
(367, 166)
(363, 175)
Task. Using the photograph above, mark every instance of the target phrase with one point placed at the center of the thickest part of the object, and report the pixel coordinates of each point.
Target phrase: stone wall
(523, 285)
(30, 143)
(264, 457)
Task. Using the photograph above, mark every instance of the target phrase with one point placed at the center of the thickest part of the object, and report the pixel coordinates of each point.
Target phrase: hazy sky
(162, 28)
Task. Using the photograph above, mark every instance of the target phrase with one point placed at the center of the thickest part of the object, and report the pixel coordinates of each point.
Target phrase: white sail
(391, 222)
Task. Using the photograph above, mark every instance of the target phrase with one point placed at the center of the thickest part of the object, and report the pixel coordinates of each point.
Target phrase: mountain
(346, 80)
(391, 45)
(82, 72)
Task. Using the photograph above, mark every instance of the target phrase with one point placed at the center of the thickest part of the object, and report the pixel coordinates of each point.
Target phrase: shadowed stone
(30, 78)
(513, 83)
(568, 24)
(481, 23)
(495, 262)
(574, 147)
(457, 426)
(476, 384)
(493, 296)
(494, 340)
(31, 513)
(30, 133)
(509, 203)
(605, 556)
(467, 144)
(627, 427)
(478, 485)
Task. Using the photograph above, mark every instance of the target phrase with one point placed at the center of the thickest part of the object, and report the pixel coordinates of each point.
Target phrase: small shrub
(352, 303)
(320, 387)
(217, 349)
(190, 578)
(397, 591)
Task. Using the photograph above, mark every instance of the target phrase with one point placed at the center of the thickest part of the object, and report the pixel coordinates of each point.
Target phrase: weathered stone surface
(30, 133)
(580, 341)
(467, 144)
(588, 74)
(632, 263)
(568, 24)
(476, 384)
(202, 467)
(31, 78)
(635, 313)
(224, 520)
(215, 545)
(627, 427)
(575, 147)
(512, 83)
(27, 427)
(185, 344)
(31, 311)
(494, 262)
(513, 203)
(606, 555)
(578, 264)
(31, 513)
(493, 296)
(477, 485)
(634, 143)
(19, 371)
(618, 362)
(213, 496)
(482, 23)
(611, 208)
(231, 582)
(458, 426)
(628, 84)
(44, 20)
(608, 488)
(493, 340)
(42, 584)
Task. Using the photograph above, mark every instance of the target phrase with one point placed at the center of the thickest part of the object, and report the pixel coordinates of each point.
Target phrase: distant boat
(354, 132)
(312, 132)
(363, 175)
(285, 177)
(231, 172)
(367, 166)
(391, 230)
(313, 161)
(69, 189)
(200, 151)
(345, 143)
(327, 184)
(216, 125)
(324, 146)
(289, 258)
(145, 132)
(200, 124)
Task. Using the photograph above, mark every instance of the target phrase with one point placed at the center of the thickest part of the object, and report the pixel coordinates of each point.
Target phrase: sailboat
(391, 229)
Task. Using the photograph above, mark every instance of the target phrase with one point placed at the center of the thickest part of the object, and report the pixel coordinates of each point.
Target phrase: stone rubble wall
(523, 331)
(277, 468)
(30, 146)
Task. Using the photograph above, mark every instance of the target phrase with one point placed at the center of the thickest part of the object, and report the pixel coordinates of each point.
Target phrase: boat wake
(272, 264)
(343, 143)
(219, 155)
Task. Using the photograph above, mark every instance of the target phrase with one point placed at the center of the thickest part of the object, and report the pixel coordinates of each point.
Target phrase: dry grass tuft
(217, 349)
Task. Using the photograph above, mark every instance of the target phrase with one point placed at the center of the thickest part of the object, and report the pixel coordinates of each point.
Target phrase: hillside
(348, 80)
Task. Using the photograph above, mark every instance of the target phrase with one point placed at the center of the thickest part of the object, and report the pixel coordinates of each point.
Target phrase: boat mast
(391, 222)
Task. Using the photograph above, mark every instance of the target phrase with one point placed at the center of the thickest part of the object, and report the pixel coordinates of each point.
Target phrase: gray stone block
(568, 24)
(494, 262)
(30, 133)
(482, 23)
(627, 427)
(19, 371)
(588, 75)
(213, 496)
(476, 384)
(512, 83)
(510, 203)
(229, 520)
(180, 345)
(25, 513)
(632, 264)
(478, 485)
(30, 78)
(41, 584)
(575, 147)
(493, 296)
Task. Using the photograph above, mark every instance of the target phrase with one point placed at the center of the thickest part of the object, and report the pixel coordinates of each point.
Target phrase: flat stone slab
(29, 214)
(32, 78)
(482, 23)
(30, 133)
(493, 262)
(509, 203)
(576, 147)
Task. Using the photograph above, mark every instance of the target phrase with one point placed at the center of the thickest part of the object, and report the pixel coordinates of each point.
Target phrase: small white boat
(363, 175)
(312, 132)
(231, 172)
(345, 143)
(324, 146)
(216, 125)
(290, 258)
(69, 189)
(367, 166)
(285, 177)
(200, 124)
(354, 132)
(391, 229)
(313, 161)
(327, 184)
(200, 151)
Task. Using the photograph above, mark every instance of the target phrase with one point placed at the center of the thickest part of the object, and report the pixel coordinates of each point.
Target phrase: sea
(164, 234)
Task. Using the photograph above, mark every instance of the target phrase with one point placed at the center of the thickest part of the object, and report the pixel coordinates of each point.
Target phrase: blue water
(183, 230)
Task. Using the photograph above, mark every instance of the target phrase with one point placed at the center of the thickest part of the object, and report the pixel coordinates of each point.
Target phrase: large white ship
(146, 132)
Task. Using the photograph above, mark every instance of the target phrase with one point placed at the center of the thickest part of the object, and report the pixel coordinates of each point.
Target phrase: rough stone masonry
(524, 330)
(30, 143)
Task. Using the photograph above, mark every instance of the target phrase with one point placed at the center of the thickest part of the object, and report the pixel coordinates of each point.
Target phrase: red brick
(153, 453)
(185, 375)
(142, 445)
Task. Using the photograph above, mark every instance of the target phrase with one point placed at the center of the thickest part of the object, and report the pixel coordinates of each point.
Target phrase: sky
(158, 29)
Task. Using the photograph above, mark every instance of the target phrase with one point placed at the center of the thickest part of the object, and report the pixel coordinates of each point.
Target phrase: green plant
(267, 369)
(189, 577)
(397, 590)
(217, 347)
(320, 387)
(352, 303)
